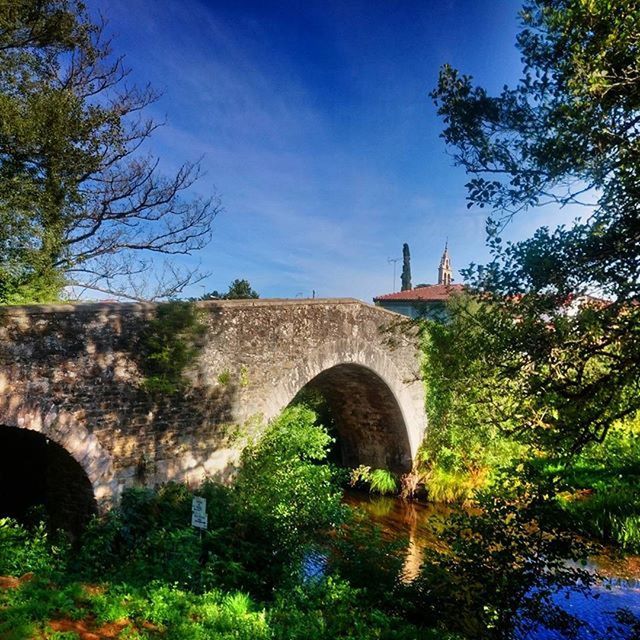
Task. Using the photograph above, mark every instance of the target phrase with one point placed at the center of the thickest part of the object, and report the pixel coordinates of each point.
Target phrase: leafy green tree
(472, 407)
(567, 134)
(406, 268)
(238, 290)
(80, 202)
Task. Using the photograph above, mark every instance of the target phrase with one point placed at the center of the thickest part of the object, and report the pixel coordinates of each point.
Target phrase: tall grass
(383, 482)
(380, 481)
(453, 486)
(600, 489)
(611, 514)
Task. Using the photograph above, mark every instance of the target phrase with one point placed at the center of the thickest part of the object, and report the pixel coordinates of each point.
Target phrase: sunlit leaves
(568, 133)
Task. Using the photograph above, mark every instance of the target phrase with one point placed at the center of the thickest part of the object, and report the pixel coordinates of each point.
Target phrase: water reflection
(397, 518)
(620, 590)
(598, 614)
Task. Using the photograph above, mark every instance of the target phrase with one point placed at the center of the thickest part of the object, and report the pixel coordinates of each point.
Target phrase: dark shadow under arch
(365, 416)
(39, 477)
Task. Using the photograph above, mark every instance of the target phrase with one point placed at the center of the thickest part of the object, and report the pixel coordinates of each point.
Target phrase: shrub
(327, 610)
(598, 490)
(285, 483)
(284, 499)
(383, 482)
(151, 611)
(32, 604)
(25, 550)
(466, 397)
(453, 486)
(149, 536)
(333, 610)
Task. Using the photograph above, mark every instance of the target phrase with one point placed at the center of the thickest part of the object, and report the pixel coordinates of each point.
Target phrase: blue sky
(315, 128)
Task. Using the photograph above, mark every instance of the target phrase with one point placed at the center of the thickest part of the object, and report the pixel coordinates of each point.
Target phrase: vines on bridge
(168, 345)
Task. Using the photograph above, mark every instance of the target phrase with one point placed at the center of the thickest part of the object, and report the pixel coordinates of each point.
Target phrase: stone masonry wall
(67, 372)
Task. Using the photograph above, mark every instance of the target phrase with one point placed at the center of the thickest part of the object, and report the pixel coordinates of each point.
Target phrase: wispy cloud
(315, 127)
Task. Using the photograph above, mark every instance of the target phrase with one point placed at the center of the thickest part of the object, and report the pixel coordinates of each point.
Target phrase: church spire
(444, 270)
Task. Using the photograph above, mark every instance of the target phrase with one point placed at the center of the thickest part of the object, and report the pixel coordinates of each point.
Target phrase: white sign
(199, 513)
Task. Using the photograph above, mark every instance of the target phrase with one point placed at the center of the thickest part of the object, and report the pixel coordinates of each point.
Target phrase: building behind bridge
(424, 300)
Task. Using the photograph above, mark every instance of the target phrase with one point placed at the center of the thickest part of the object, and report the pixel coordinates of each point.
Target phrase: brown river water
(620, 587)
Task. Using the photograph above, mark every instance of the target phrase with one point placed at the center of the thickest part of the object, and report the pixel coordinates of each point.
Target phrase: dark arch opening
(362, 413)
(39, 478)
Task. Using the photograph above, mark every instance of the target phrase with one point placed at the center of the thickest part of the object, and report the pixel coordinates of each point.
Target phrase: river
(620, 588)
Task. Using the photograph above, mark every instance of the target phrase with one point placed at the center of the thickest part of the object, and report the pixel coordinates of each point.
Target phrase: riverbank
(388, 570)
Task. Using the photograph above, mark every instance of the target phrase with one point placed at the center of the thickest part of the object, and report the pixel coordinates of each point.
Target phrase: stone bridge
(76, 420)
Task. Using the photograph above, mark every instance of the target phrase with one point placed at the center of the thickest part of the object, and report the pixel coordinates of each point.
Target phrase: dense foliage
(598, 492)
(283, 482)
(472, 409)
(281, 558)
(144, 569)
(567, 134)
(502, 568)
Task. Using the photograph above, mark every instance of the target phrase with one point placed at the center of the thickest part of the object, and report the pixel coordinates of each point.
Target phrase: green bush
(598, 491)
(26, 609)
(285, 483)
(383, 482)
(149, 611)
(378, 481)
(453, 485)
(150, 568)
(333, 610)
(327, 610)
(285, 498)
(25, 550)
(466, 397)
(148, 537)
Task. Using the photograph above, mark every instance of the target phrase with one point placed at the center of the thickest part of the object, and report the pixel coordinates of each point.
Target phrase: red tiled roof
(430, 292)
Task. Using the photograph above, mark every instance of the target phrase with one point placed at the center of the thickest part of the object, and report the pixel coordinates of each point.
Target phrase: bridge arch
(72, 374)
(368, 422)
(67, 434)
(374, 406)
(39, 478)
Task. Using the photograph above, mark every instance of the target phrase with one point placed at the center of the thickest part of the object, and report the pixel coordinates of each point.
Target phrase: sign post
(199, 517)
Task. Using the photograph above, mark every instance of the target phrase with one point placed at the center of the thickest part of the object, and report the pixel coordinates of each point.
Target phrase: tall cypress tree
(406, 268)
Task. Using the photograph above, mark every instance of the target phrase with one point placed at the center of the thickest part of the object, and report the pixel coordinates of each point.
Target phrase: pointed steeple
(444, 270)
